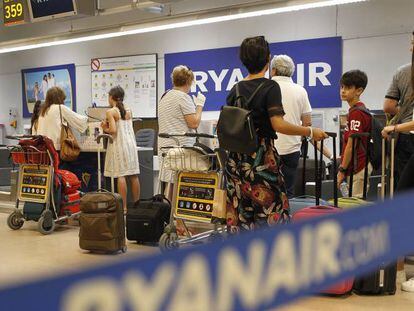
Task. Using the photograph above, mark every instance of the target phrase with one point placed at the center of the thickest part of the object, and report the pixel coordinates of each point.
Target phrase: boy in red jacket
(353, 84)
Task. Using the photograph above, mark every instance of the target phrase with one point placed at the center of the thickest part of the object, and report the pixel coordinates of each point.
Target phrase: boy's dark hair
(254, 54)
(355, 78)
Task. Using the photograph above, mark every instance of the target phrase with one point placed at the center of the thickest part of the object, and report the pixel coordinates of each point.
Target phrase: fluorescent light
(195, 22)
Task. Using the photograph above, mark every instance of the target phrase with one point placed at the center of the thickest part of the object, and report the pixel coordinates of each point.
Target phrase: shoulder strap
(363, 109)
(254, 94)
(61, 119)
(238, 100)
(165, 93)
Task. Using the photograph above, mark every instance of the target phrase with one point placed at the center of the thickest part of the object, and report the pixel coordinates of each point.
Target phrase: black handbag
(146, 219)
(235, 128)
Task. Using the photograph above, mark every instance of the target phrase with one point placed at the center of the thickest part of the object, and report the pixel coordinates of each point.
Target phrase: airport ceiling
(114, 14)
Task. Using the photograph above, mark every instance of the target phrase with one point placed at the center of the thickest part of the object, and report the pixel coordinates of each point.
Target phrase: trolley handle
(101, 136)
(196, 135)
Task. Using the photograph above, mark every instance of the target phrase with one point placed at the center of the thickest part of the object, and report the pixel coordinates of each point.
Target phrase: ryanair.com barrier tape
(252, 271)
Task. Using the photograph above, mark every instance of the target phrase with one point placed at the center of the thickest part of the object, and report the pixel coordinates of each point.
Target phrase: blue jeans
(289, 166)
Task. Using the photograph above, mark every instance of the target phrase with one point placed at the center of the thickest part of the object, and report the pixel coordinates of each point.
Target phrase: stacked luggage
(70, 194)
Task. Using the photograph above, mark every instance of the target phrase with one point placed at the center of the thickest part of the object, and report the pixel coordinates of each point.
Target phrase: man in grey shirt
(399, 102)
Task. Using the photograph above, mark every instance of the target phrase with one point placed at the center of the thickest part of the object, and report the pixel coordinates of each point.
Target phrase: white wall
(376, 39)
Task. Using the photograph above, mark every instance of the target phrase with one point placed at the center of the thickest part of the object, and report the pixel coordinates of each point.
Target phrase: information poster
(137, 75)
(37, 81)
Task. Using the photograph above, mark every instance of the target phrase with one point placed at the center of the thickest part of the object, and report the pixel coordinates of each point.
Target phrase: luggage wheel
(168, 241)
(46, 224)
(15, 220)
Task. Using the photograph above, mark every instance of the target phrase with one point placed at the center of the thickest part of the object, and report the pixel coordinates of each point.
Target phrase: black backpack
(235, 125)
(375, 140)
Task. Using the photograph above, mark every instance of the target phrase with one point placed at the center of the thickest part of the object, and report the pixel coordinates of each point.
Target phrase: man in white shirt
(298, 111)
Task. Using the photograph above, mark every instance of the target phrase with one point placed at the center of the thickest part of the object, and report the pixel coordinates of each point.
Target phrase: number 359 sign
(13, 12)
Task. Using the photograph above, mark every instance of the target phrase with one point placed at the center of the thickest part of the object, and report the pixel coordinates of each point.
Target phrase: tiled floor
(26, 254)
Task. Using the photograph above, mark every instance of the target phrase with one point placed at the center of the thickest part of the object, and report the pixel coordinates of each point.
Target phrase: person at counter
(121, 159)
(53, 112)
(178, 113)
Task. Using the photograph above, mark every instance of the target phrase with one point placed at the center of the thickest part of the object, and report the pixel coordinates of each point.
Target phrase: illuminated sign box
(13, 12)
(49, 9)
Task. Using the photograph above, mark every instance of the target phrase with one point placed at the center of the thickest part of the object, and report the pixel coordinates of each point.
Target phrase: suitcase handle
(318, 169)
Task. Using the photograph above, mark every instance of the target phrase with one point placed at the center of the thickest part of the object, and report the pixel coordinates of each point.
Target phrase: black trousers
(404, 163)
(289, 166)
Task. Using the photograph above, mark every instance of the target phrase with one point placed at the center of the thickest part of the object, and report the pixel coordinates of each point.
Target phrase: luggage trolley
(198, 181)
(35, 185)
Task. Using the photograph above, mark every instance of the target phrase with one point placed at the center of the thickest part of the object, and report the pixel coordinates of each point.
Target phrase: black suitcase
(146, 219)
(383, 280)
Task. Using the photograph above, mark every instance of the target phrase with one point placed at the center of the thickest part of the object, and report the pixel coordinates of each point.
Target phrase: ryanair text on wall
(318, 68)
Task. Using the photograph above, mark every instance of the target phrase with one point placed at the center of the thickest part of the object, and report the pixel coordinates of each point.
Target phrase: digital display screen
(13, 12)
(48, 8)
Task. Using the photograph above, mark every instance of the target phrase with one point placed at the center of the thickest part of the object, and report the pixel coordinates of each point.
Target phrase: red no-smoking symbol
(95, 64)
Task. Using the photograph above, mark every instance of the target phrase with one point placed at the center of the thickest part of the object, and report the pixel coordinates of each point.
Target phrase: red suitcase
(344, 287)
(70, 182)
(70, 203)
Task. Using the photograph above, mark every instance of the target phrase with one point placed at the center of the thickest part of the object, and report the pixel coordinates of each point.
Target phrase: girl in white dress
(121, 159)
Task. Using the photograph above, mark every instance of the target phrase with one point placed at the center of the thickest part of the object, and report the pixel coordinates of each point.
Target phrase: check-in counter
(86, 168)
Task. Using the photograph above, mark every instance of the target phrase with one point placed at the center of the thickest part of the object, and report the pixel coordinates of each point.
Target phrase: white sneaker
(408, 286)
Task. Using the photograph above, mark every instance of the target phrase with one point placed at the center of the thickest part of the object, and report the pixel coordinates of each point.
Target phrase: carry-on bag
(102, 224)
(318, 210)
(70, 182)
(384, 279)
(300, 202)
(235, 124)
(305, 171)
(146, 219)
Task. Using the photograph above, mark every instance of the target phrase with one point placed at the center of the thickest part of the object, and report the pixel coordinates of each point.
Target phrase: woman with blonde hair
(178, 113)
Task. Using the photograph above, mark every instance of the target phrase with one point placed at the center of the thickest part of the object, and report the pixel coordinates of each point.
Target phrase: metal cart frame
(181, 162)
(32, 157)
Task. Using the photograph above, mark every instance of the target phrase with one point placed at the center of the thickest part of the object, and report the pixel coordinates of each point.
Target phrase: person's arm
(346, 160)
(75, 120)
(398, 128)
(109, 125)
(393, 95)
(281, 126)
(390, 106)
(306, 119)
(193, 120)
